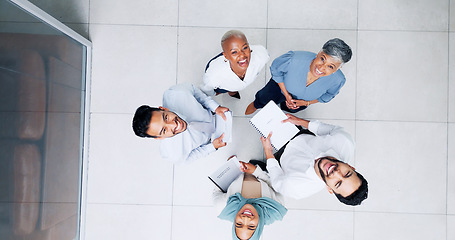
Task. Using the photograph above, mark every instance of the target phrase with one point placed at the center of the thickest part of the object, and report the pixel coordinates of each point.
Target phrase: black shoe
(235, 95)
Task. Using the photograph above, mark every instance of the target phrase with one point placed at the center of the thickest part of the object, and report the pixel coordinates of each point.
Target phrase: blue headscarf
(268, 210)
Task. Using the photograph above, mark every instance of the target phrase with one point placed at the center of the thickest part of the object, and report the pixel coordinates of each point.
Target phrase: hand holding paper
(270, 118)
(247, 167)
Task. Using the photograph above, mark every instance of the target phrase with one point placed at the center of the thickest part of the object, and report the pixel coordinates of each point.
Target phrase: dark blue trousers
(272, 91)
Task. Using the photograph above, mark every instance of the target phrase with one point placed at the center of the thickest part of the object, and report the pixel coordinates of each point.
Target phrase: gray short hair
(338, 49)
(231, 33)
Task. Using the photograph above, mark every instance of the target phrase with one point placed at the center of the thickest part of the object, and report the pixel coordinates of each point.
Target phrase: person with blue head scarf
(251, 203)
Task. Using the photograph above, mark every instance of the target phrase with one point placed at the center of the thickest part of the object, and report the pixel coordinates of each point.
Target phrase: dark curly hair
(141, 120)
(357, 196)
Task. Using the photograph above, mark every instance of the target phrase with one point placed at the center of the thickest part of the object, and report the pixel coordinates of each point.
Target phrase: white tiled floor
(398, 103)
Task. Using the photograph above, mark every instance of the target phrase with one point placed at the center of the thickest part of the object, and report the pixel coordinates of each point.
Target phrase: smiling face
(246, 221)
(237, 51)
(339, 177)
(165, 123)
(324, 65)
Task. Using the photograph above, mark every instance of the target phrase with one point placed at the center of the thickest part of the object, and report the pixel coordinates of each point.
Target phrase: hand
(268, 149)
(247, 167)
(218, 142)
(220, 111)
(296, 121)
(290, 102)
(292, 119)
(300, 103)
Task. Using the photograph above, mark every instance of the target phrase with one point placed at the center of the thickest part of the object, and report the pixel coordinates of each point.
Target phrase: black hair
(141, 120)
(338, 48)
(358, 195)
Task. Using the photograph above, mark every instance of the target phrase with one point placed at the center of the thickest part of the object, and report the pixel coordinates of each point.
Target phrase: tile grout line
(176, 82)
(172, 196)
(355, 102)
(447, 124)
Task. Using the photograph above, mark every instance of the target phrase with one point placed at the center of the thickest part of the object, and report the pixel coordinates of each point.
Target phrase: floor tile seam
(400, 213)
(355, 104)
(172, 198)
(308, 118)
(355, 29)
(193, 206)
(312, 29)
(331, 210)
(172, 25)
(112, 113)
(133, 25)
(448, 117)
(399, 121)
(402, 30)
(89, 17)
(319, 210)
(356, 72)
(262, 28)
(129, 204)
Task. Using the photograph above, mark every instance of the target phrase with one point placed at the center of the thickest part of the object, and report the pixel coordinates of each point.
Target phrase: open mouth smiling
(329, 168)
(247, 212)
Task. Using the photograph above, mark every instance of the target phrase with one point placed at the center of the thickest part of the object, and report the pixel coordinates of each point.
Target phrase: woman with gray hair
(236, 67)
(301, 78)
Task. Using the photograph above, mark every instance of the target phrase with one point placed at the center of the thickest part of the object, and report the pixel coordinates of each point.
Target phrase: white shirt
(296, 177)
(195, 107)
(220, 75)
(220, 198)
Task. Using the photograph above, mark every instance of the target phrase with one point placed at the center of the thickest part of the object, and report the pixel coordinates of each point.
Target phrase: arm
(200, 152)
(279, 69)
(280, 65)
(296, 120)
(210, 81)
(262, 53)
(300, 103)
(341, 142)
(256, 171)
(206, 101)
(289, 101)
(208, 89)
(321, 129)
(331, 92)
(316, 127)
(287, 185)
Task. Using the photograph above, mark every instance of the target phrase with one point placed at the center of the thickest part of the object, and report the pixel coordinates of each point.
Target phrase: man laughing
(315, 159)
(184, 124)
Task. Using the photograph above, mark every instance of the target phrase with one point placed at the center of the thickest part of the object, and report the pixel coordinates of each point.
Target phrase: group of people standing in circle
(318, 157)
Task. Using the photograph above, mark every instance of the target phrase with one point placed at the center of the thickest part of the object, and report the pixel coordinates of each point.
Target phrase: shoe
(234, 94)
(250, 109)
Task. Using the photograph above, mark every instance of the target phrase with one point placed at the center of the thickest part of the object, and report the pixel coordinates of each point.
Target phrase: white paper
(226, 174)
(269, 119)
(222, 126)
